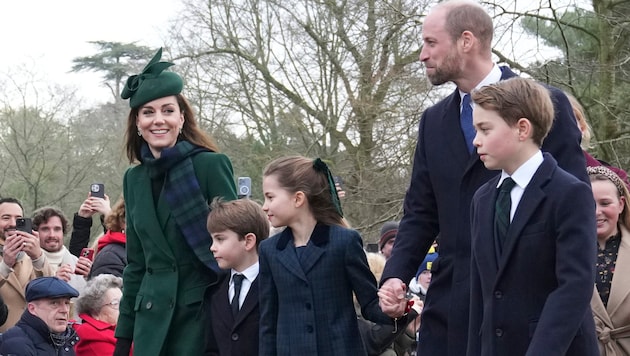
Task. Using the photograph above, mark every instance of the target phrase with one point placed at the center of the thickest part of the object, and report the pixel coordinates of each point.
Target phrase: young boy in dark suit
(533, 234)
(237, 227)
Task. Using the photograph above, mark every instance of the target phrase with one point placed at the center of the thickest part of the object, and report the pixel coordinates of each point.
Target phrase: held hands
(93, 205)
(392, 298)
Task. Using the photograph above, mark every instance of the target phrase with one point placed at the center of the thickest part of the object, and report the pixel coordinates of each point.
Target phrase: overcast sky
(44, 36)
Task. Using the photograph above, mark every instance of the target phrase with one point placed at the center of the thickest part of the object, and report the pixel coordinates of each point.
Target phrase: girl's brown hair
(190, 131)
(297, 174)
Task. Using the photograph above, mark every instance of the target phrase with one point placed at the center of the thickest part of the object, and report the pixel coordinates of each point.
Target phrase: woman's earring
(139, 133)
(180, 130)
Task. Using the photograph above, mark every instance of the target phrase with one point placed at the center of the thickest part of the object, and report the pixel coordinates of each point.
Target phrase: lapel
(14, 282)
(528, 205)
(154, 221)
(485, 249)
(249, 304)
(312, 252)
(620, 287)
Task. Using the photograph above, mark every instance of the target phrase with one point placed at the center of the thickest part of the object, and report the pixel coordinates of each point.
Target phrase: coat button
(498, 332)
(235, 337)
(150, 270)
(308, 306)
(309, 329)
(149, 305)
(498, 294)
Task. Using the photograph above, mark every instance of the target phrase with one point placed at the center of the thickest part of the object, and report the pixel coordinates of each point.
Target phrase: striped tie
(502, 211)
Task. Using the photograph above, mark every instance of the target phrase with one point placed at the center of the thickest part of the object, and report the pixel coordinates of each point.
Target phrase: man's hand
(65, 272)
(392, 298)
(83, 266)
(30, 244)
(12, 246)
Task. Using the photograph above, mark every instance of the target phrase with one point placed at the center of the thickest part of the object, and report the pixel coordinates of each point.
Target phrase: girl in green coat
(166, 195)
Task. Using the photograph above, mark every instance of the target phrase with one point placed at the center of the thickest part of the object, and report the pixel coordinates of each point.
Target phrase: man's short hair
(243, 216)
(42, 215)
(468, 16)
(11, 201)
(517, 98)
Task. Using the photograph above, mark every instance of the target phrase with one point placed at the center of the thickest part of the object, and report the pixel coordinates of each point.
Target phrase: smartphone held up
(24, 224)
(97, 190)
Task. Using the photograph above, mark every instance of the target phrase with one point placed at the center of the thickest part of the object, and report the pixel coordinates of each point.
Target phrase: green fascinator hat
(153, 83)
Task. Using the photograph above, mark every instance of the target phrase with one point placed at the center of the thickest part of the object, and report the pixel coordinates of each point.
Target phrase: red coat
(96, 338)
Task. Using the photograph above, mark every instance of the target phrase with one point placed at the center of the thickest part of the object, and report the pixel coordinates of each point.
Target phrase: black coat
(235, 336)
(445, 176)
(31, 337)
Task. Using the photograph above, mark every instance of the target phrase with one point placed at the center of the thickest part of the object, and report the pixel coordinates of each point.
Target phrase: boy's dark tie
(466, 122)
(502, 211)
(238, 282)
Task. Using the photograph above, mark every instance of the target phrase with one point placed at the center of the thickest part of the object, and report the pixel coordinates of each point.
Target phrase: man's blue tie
(465, 120)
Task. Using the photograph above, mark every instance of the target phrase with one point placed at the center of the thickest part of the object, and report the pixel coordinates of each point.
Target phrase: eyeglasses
(115, 303)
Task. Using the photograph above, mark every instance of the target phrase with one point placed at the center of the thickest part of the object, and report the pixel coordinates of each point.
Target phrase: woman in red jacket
(98, 309)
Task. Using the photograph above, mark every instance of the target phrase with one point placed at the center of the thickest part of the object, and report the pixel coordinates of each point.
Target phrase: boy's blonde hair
(242, 216)
(517, 98)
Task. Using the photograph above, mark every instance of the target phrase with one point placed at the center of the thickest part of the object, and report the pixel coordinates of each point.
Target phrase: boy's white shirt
(250, 274)
(522, 176)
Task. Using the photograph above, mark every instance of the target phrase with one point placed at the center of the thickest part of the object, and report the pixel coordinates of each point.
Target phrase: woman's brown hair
(190, 131)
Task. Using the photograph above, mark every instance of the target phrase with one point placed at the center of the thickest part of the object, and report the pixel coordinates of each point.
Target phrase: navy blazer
(534, 299)
(445, 176)
(306, 305)
(235, 336)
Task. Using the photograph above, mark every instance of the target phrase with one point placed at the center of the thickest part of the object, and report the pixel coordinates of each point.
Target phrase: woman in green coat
(166, 195)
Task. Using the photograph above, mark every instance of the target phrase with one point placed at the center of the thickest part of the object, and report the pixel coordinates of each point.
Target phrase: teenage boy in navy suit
(532, 275)
(237, 227)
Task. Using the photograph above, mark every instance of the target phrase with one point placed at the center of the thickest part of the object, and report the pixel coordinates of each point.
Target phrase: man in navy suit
(237, 228)
(447, 171)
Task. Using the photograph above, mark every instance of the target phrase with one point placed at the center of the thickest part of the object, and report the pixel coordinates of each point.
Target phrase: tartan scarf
(183, 195)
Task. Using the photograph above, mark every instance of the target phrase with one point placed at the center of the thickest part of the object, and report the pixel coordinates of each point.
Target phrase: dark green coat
(164, 282)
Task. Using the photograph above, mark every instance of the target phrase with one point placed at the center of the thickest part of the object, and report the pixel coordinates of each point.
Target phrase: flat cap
(49, 287)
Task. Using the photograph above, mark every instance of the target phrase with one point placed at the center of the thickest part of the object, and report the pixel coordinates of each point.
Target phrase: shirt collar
(250, 272)
(493, 77)
(524, 174)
